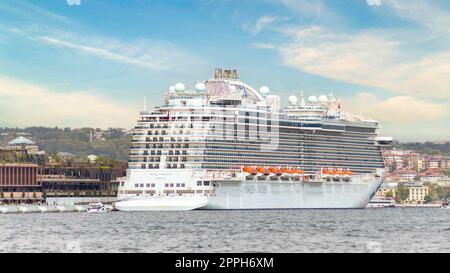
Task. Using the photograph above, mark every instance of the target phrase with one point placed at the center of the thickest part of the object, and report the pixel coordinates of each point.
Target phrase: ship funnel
(218, 74)
(226, 74)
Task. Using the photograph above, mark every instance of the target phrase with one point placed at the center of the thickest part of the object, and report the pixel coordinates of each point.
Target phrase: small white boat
(96, 207)
(162, 203)
(23, 209)
(445, 204)
(78, 208)
(381, 203)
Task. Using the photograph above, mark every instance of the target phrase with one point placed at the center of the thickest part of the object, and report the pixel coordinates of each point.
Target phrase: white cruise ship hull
(286, 195)
(162, 203)
(241, 194)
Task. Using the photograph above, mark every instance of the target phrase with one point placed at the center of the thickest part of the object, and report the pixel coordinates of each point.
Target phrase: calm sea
(369, 230)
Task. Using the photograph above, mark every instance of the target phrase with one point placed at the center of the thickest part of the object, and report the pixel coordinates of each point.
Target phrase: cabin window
(178, 185)
(206, 183)
(136, 185)
(199, 183)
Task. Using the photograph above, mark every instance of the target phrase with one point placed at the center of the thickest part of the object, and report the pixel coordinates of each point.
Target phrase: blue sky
(74, 63)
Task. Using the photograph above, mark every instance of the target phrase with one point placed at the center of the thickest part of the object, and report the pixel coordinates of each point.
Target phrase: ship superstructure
(237, 146)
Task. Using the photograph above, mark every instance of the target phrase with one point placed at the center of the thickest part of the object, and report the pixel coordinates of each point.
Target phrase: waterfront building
(23, 143)
(417, 192)
(61, 186)
(386, 188)
(20, 183)
(80, 179)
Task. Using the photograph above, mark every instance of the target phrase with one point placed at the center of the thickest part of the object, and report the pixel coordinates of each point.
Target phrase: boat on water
(96, 207)
(225, 145)
(378, 202)
(445, 204)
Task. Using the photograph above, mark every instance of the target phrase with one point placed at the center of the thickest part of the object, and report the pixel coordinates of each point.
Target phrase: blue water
(369, 230)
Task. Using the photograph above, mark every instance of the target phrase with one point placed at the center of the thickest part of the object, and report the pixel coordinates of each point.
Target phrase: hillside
(112, 143)
(427, 147)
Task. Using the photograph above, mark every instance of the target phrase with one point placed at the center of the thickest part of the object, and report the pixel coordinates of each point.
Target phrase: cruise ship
(226, 145)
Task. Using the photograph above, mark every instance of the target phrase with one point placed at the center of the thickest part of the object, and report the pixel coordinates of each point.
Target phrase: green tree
(428, 199)
(402, 192)
(389, 194)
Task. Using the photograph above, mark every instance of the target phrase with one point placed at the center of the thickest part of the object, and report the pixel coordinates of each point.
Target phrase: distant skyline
(76, 63)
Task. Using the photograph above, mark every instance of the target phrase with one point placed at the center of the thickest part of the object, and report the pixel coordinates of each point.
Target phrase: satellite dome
(179, 87)
(232, 88)
(323, 98)
(172, 88)
(200, 86)
(264, 90)
(312, 99)
(293, 100)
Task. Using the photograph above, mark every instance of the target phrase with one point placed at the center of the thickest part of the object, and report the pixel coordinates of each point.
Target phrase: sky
(77, 63)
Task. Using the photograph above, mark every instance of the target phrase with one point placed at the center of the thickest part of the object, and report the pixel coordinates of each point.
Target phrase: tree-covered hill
(112, 143)
(427, 147)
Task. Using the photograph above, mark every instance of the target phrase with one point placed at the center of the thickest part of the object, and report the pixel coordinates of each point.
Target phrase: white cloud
(125, 54)
(143, 53)
(23, 104)
(397, 110)
(27, 11)
(263, 45)
(404, 117)
(374, 2)
(260, 24)
(73, 2)
(426, 14)
(383, 59)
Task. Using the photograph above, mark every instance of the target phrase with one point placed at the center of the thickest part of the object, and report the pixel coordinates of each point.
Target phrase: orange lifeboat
(347, 172)
(334, 172)
(261, 170)
(291, 171)
(274, 170)
(248, 169)
(284, 170)
(325, 171)
(299, 171)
